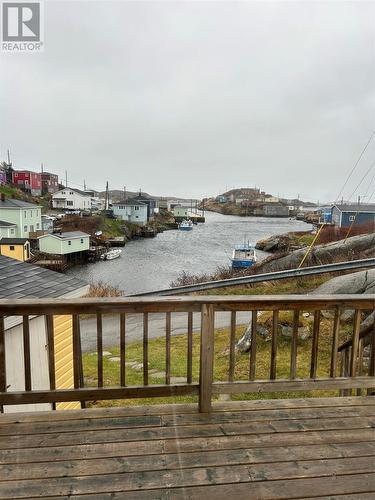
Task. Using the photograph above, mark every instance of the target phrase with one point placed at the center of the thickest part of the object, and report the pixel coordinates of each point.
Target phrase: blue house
(360, 215)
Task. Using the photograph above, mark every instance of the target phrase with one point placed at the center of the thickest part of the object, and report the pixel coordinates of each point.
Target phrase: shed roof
(22, 280)
(13, 203)
(67, 236)
(3, 223)
(13, 241)
(130, 203)
(82, 193)
(370, 208)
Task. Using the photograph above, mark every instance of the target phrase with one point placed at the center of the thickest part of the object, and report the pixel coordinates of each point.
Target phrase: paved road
(134, 327)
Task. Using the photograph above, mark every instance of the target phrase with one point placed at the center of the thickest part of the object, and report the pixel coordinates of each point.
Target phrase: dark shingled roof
(13, 203)
(13, 241)
(3, 223)
(19, 280)
(356, 208)
(130, 202)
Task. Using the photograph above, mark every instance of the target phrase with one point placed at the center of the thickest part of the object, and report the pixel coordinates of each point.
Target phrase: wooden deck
(301, 448)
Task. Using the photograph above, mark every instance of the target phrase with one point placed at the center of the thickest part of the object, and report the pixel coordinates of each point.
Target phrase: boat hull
(238, 264)
(186, 228)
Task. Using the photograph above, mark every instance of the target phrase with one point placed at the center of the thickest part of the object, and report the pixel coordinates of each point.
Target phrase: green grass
(134, 352)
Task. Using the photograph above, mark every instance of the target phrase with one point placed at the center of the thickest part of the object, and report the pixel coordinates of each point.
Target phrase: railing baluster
(355, 343)
(168, 348)
(76, 352)
(232, 347)
(360, 364)
(293, 350)
(190, 349)
(145, 348)
(99, 347)
(26, 352)
(51, 354)
(206, 371)
(335, 340)
(122, 349)
(315, 344)
(253, 345)
(371, 368)
(275, 330)
(3, 375)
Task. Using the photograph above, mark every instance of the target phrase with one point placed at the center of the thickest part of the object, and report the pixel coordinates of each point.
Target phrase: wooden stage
(267, 449)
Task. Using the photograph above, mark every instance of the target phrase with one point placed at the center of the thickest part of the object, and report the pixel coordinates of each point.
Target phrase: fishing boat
(111, 254)
(186, 225)
(244, 255)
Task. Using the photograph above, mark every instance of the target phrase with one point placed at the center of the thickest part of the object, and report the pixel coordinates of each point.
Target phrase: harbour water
(151, 264)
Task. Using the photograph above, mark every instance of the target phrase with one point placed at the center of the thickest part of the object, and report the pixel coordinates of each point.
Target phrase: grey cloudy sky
(189, 98)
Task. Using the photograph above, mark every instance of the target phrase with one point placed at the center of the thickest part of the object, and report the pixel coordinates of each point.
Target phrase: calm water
(150, 264)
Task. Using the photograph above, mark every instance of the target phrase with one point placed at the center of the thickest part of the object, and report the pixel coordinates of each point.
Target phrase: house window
(81, 240)
(25, 214)
(69, 203)
(71, 192)
(351, 218)
(37, 225)
(11, 247)
(69, 242)
(25, 229)
(136, 208)
(12, 231)
(31, 213)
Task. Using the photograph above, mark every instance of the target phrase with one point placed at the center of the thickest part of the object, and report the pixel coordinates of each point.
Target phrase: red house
(28, 181)
(50, 183)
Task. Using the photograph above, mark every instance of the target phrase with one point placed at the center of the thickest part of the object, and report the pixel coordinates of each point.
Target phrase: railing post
(206, 358)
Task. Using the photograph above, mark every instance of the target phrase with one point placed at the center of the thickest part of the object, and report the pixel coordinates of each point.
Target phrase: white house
(131, 211)
(23, 217)
(71, 199)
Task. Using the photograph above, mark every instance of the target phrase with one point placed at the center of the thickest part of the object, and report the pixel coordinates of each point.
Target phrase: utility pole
(84, 185)
(9, 162)
(106, 202)
(66, 178)
(124, 193)
(41, 167)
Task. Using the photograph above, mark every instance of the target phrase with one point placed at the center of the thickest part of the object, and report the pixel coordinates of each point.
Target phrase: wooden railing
(319, 308)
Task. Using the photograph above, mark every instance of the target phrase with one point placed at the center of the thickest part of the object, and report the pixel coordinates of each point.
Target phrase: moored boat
(244, 255)
(186, 225)
(111, 254)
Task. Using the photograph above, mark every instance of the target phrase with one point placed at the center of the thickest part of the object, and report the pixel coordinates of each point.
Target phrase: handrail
(352, 373)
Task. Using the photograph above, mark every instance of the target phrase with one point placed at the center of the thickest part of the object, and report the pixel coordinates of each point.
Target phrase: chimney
(2, 197)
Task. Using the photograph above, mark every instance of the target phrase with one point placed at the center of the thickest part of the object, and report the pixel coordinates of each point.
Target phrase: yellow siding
(19, 252)
(63, 330)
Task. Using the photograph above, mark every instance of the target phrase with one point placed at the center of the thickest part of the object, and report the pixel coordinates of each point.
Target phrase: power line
(355, 166)
(363, 178)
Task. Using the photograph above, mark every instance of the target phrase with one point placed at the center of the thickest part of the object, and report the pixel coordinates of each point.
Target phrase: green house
(64, 243)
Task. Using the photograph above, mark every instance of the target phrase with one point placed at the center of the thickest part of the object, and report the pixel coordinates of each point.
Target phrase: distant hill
(118, 194)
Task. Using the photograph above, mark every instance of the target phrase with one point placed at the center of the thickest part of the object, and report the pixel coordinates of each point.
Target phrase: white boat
(243, 256)
(186, 225)
(111, 254)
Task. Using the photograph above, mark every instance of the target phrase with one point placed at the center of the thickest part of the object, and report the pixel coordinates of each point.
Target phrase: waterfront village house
(358, 215)
(7, 229)
(64, 243)
(181, 212)
(221, 198)
(26, 281)
(275, 210)
(71, 199)
(27, 181)
(150, 202)
(131, 211)
(15, 248)
(50, 183)
(27, 217)
(3, 175)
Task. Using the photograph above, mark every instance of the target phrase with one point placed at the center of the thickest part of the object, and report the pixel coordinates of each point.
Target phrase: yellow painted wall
(63, 330)
(19, 252)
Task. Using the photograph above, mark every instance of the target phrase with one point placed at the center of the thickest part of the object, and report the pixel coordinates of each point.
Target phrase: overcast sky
(191, 98)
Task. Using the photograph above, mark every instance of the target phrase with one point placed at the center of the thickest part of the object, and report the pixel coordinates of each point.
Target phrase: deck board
(250, 449)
